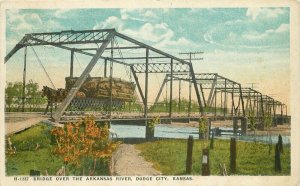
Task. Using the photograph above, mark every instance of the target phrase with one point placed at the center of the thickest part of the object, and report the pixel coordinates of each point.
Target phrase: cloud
(255, 13)
(248, 34)
(110, 22)
(282, 28)
(141, 15)
(60, 13)
(158, 34)
(151, 32)
(271, 33)
(21, 23)
(33, 18)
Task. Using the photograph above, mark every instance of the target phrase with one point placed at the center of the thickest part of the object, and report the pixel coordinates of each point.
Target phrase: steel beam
(160, 91)
(179, 96)
(137, 83)
(209, 100)
(105, 68)
(196, 89)
(160, 67)
(72, 63)
(171, 89)
(24, 79)
(242, 100)
(150, 48)
(146, 84)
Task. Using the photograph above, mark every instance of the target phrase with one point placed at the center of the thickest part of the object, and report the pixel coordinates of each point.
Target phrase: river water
(165, 131)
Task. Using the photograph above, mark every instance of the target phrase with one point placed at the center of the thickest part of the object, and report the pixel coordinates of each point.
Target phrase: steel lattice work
(146, 63)
(67, 39)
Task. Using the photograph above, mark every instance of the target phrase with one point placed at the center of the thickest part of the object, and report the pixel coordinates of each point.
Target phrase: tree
(33, 95)
(14, 95)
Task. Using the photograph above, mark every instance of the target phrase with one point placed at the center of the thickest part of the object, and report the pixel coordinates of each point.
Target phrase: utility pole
(190, 83)
(252, 84)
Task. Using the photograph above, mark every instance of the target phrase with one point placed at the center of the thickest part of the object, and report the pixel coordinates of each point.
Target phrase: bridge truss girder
(210, 81)
(69, 40)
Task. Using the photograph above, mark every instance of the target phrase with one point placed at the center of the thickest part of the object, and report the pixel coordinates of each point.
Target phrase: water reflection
(166, 131)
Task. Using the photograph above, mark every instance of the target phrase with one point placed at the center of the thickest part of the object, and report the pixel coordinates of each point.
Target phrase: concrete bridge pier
(235, 125)
(244, 126)
(274, 121)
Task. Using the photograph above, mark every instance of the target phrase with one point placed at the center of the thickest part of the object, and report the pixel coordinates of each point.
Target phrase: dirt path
(126, 161)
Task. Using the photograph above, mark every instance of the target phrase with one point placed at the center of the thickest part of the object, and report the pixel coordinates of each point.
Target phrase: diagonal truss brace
(82, 78)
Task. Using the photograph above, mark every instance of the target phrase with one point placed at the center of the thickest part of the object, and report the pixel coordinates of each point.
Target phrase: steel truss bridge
(211, 89)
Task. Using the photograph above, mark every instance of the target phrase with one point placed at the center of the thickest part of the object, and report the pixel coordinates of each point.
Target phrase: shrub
(82, 144)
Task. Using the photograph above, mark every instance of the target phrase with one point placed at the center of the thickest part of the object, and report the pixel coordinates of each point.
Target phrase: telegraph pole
(252, 85)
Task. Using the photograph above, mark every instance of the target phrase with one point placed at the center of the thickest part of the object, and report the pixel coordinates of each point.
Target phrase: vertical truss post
(201, 111)
(190, 90)
(286, 111)
(248, 98)
(179, 94)
(146, 84)
(166, 96)
(24, 79)
(242, 100)
(171, 89)
(72, 63)
(225, 99)
(111, 79)
(257, 106)
(105, 68)
(190, 97)
(137, 83)
(215, 102)
(262, 106)
(281, 111)
(232, 103)
(82, 78)
(274, 109)
(221, 100)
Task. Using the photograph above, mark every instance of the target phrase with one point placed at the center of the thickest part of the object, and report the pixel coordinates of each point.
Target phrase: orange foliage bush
(83, 139)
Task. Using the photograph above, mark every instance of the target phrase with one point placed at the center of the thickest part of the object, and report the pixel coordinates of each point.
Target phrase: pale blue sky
(244, 44)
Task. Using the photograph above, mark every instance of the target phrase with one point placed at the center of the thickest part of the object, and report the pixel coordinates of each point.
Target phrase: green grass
(23, 161)
(27, 158)
(169, 156)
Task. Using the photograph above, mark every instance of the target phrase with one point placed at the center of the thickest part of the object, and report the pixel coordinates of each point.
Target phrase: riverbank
(284, 129)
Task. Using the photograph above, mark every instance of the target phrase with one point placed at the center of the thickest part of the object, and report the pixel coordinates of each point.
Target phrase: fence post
(189, 158)
(277, 158)
(232, 155)
(205, 162)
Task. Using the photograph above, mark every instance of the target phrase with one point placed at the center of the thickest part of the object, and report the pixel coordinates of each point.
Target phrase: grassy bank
(27, 157)
(169, 156)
